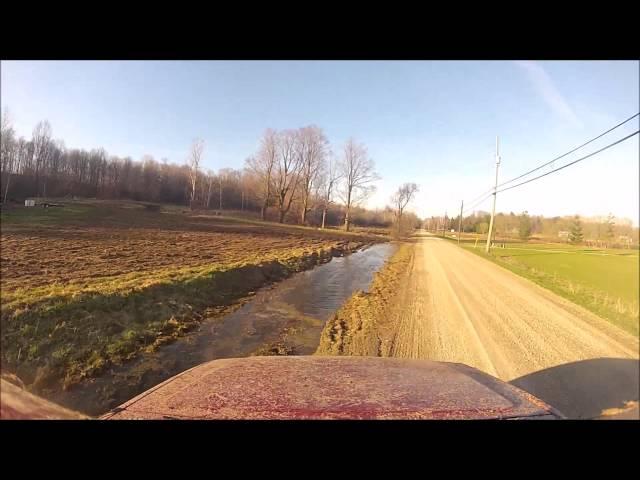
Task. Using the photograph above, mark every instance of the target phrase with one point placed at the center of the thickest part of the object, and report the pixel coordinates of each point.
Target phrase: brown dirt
(139, 241)
(18, 404)
(363, 325)
(98, 285)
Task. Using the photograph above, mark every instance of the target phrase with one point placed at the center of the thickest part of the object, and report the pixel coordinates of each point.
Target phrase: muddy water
(286, 318)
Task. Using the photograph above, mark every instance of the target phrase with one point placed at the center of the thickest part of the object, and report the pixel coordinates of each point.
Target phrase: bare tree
(330, 178)
(401, 199)
(220, 180)
(210, 180)
(225, 178)
(5, 122)
(313, 145)
(243, 188)
(41, 149)
(114, 172)
(8, 150)
(263, 165)
(287, 171)
(195, 155)
(54, 167)
(290, 172)
(358, 171)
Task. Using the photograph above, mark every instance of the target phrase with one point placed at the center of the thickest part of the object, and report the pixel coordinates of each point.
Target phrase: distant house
(563, 234)
(624, 239)
(29, 202)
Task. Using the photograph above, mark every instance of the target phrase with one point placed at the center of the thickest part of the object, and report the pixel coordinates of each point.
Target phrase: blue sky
(433, 123)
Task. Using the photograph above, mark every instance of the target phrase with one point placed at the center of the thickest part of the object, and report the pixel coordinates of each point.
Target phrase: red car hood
(316, 387)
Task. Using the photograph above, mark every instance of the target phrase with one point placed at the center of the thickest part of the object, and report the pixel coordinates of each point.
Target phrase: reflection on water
(319, 292)
(294, 311)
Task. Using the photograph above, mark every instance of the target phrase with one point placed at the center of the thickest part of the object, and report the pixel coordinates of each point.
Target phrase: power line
(484, 193)
(571, 163)
(484, 199)
(487, 194)
(569, 152)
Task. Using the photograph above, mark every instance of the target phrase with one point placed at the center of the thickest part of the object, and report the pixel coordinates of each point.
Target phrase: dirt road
(457, 307)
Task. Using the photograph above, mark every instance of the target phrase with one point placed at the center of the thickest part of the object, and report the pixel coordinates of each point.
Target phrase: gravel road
(455, 306)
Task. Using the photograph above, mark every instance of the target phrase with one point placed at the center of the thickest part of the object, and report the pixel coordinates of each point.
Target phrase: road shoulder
(365, 324)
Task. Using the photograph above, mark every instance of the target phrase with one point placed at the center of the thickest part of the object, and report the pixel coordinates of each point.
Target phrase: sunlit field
(604, 281)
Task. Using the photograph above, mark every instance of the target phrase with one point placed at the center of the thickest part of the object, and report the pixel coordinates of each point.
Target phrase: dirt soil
(91, 285)
(436, 301)
(134, 240)
(363, 325)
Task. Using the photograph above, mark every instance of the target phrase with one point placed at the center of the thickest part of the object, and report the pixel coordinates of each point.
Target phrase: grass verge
(73, 334)
(604, 282)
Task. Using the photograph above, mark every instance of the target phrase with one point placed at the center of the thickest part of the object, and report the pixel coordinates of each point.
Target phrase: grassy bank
(363, 325)
(604, 281)
(90, 285)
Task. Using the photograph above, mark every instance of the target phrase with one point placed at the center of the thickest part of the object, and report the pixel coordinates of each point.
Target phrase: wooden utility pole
(495, 191)
(460, 222)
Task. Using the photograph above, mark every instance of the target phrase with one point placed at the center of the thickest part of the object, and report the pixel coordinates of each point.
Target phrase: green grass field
(605, 281)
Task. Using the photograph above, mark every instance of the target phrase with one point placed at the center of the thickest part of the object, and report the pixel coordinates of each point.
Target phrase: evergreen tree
(524, 229)
(575, 235)
(610, 224)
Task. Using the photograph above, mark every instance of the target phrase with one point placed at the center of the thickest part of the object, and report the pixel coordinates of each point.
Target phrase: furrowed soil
(93, 284)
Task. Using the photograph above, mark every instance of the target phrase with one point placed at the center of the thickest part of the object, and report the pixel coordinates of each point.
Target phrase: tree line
(294, 176)
(607, 231)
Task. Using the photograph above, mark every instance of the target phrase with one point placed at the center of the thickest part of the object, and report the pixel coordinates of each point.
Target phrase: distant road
(458, 307)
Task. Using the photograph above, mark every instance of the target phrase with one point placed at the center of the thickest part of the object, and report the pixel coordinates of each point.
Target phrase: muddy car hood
(318, 387)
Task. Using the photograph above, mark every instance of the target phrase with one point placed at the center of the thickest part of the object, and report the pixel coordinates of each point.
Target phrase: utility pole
(495, 191)
(460, 222)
